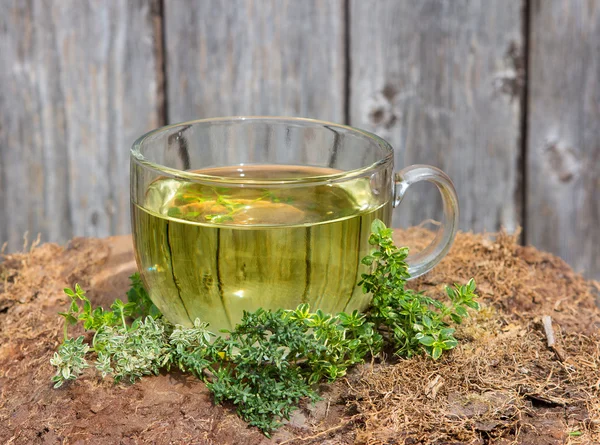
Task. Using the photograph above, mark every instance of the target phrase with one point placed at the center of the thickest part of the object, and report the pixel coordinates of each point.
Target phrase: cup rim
(139, 158)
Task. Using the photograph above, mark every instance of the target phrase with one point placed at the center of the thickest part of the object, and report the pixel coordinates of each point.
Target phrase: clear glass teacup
(240, 213)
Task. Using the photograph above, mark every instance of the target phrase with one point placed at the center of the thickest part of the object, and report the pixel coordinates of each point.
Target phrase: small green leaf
(450, 343)
(446, 332)
(426, 321)
(377, 226)
(436, 353)
(461, 310)
(368, 260)
(471, 285)
(472, 304)
(456, 318)
(426, 340)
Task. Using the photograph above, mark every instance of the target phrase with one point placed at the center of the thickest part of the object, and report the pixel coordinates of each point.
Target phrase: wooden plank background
(563, 137)
(440, 81)
(255, 58)
(504, 95)
(79, 81)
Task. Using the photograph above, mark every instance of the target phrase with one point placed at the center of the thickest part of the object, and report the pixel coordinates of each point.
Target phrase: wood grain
(442, 81)
(79, 84)
(243, 57)
(563, 155)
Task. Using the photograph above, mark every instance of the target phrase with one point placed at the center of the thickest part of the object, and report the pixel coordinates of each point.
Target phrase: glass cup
(240, 213)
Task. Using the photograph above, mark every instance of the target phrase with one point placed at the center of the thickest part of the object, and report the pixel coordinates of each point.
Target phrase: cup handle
(423, 261)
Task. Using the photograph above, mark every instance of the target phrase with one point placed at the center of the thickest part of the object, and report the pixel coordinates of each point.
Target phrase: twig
(532, 394)
(25, 240)
(36, 242)
(547, 322)
(549, 331)
(319, 435)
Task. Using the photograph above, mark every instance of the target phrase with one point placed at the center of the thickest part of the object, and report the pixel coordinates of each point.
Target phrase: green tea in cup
(232, 215)
(218, 251)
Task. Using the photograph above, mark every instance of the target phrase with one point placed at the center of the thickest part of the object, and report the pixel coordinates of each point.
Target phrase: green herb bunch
(123, 350)
(271, 359)
(412, 321)
(264, 366)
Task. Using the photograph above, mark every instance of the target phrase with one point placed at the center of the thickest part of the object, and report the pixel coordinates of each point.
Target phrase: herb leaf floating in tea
(271, 359)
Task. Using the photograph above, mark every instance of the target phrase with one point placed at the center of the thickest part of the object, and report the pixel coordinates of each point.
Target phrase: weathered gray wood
(79, 82)
(243, 57)
(563, 155)
(442, 81)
